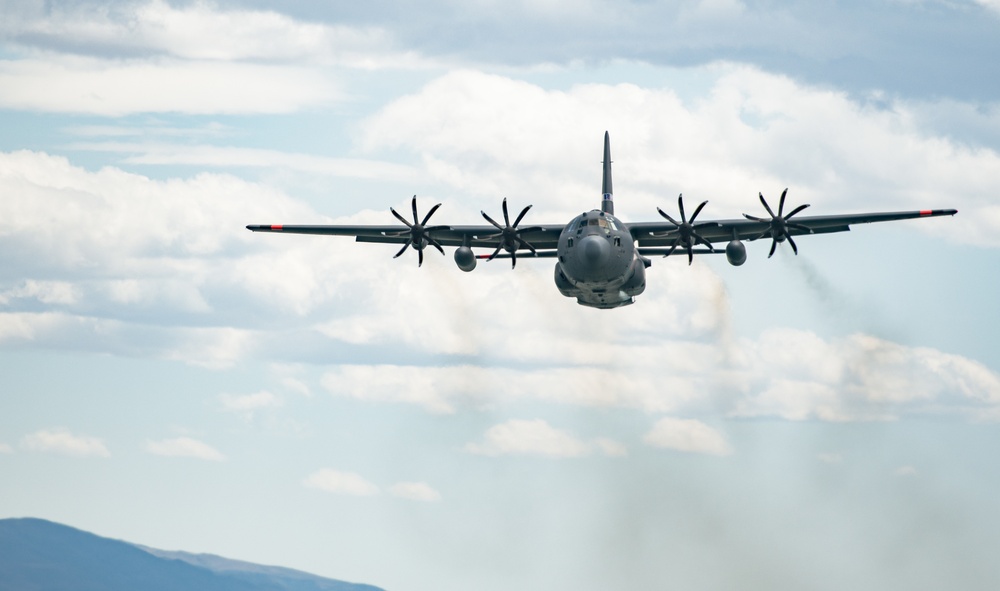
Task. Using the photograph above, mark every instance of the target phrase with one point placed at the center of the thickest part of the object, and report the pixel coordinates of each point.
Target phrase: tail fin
(608, 202)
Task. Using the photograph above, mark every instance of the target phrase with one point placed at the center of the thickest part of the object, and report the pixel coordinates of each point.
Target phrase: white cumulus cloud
(798, 376)
(415, 491)
(62, 441)
(184, 447)
(248, 403)
(70, 84)
(992, 5)
(191, 32)
(46, 292)
(687, 435)
(334, 481)
(530, 438)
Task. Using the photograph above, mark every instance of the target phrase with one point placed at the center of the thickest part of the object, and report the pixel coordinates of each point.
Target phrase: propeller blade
(669, 219)
(527, 245)
(766, 206)
(435, 244)
(753, 218)
(795, 249)
(690, 255)
(420, 256)
(495, 253)
(400, 218)
(697, 211)
(673, 247)
(774, 244)
(796, 210)
(781, 204)
(429, 214)
(521, 215)
(414, 205)
(506, 218)
(698, 238)
(513, 259)
(490, 220)
(401, 250)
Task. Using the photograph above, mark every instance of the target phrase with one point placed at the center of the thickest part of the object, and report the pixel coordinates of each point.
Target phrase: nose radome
(596, 250)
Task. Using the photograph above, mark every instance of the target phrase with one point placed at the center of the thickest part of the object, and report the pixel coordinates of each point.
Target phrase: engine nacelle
(465, 258)
(736, 253)
(636, 284)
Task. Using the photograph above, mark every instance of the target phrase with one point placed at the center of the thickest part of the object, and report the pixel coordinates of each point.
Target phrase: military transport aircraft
(602, 260)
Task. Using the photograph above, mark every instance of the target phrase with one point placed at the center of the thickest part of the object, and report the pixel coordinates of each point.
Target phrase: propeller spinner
(687, 234)
(418, 231)
(779, 224)
(510, 235)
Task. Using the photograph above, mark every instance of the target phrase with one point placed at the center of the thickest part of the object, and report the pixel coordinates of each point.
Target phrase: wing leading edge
(541, 237)
(664, 233)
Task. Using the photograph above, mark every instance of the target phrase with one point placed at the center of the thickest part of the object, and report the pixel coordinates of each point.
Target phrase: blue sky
(822, 421)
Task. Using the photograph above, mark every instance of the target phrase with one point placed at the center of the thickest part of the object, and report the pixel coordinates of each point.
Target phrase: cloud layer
(751, 131)
(121, 263)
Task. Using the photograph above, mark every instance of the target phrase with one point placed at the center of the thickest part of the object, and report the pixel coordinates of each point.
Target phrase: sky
(821, 421)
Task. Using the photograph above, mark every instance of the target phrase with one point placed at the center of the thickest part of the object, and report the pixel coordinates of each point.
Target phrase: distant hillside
(38, 555)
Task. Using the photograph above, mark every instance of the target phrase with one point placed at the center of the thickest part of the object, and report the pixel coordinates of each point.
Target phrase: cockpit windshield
(604, 222)
(601, 221)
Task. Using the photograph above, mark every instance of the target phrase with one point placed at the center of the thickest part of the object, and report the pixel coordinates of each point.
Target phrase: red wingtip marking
(277, 227)
(926, 212)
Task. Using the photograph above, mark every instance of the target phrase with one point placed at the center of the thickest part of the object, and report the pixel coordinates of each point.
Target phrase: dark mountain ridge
(39, 555)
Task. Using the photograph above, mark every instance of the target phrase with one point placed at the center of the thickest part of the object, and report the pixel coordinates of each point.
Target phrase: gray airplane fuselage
(598, 263)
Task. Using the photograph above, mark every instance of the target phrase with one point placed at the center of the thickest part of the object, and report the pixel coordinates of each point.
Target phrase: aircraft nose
(596, 250)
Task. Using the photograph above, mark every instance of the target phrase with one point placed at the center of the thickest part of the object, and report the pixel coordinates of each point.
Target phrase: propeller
(510, 235)
(687, 234)
(418, 231)
(779, 224)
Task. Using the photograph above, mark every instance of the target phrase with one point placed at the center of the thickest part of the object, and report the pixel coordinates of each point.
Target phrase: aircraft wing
(664, 233)
(541, 237)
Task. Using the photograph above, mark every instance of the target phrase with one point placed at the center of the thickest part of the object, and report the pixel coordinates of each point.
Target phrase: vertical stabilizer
(608, 202)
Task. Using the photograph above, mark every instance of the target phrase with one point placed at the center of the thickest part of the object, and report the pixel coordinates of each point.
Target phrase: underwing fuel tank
(736, 253)
(465, 258)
